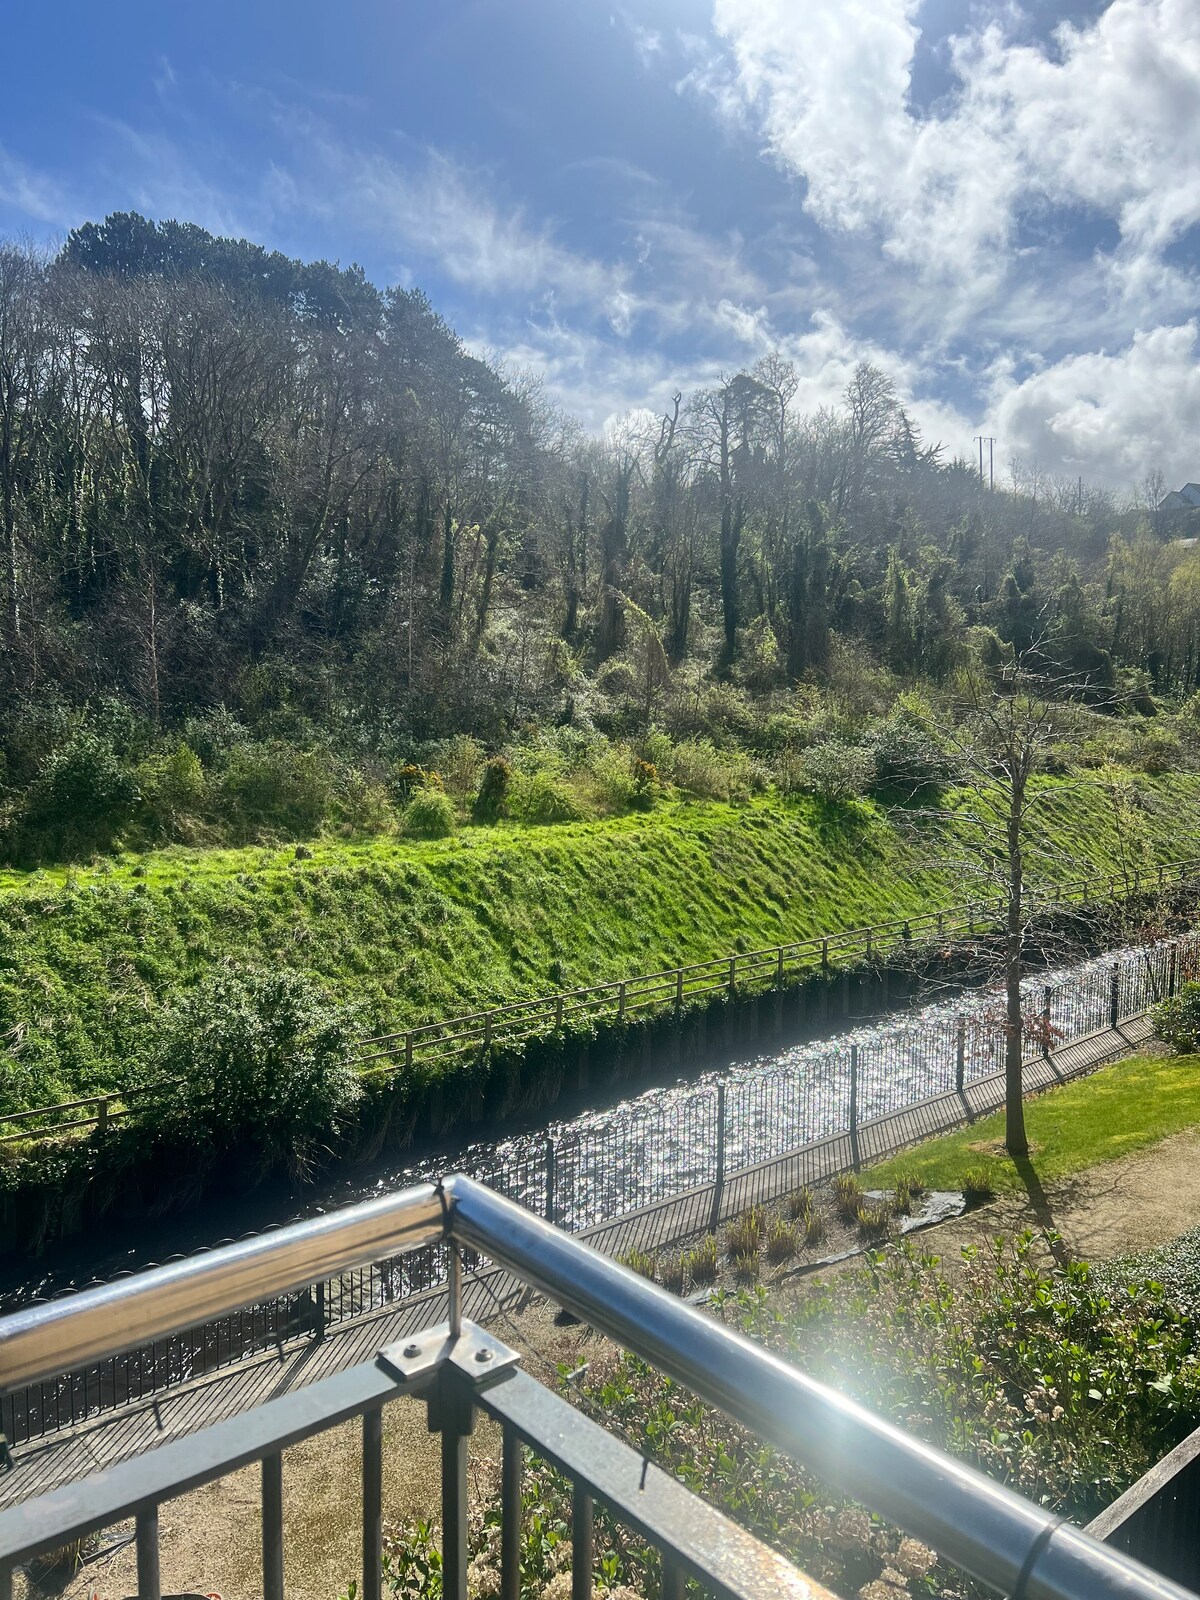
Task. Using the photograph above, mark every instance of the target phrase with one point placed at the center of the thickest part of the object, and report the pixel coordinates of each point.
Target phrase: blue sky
(999, 204)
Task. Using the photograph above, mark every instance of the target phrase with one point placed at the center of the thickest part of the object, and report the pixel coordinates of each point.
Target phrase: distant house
(1181, 500)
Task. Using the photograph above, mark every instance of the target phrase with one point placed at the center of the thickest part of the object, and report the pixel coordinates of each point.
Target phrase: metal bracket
(479, 1357)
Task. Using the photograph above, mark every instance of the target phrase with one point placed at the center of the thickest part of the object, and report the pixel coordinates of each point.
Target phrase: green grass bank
(417, 931)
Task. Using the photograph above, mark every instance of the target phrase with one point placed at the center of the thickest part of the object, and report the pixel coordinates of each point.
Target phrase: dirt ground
(210, 1539)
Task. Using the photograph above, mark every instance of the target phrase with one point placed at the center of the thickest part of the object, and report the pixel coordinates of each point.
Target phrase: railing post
(319, 1302)
(487, 1031)
(825, 957)
(146, 1539)
(582, 1543)
(372, 1494)
(621, 1001)
(854, 1106)
(102, 1115)
(272, 1527)
(1046, 1023)
(558, 1012)
(1114, 996)
(408, 1050)
(551, 1176)
(960, 1054)
(1173, 968)
(678, 993)
(451, 1413)
(732, 975)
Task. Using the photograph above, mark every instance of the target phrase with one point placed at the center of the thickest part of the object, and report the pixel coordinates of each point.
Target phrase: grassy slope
(416, 931)
(1114, 1112)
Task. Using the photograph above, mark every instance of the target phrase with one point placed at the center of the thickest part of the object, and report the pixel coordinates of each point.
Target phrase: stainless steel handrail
(45, 1341)
(992, 1533)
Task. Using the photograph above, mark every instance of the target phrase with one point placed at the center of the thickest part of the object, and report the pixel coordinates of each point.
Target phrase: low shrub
(745, 1266)
(874, 1218)
(799, 1203)
(639, 1261)
(701, 1263)
(782, 1242)
(977, 1186)
(847, 1196)
(544, 799)
(491, 803)
(1177, 1021)
(834, 772)
(816, 1228)
(429, 815)
(744, 1234)
(672, 1273)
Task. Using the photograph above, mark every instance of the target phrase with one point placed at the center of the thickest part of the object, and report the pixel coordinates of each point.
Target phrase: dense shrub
(255, 1063)
(706, 773)
(836, 772)
(1177, 1021)
(274, 788)
(174, 790)
(80, 802)
(429, 815)
(544, 799)
(491, 803)
(908, 760)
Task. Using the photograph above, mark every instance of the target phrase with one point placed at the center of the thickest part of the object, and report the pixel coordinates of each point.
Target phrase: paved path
(119, 1435)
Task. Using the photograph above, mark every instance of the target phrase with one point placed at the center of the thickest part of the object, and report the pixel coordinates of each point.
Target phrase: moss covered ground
(415, 931)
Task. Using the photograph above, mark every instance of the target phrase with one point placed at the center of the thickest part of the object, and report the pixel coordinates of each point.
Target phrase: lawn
(414, 932)
(1112, 1113)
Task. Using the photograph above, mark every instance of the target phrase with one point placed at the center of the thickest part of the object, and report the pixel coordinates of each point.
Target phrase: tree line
(231, 479)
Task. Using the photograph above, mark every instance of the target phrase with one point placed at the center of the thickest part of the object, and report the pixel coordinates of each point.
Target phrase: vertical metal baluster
(454, 1497)
(510, 1516)
(272, 1527)
(148, 1580)
(854, 1105)
(372, 1491)
(454, 1293)
(672, 1578)
(581, 1543)
(6, 1582)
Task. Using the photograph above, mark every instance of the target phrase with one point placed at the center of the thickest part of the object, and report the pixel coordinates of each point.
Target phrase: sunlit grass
(1114, 1112)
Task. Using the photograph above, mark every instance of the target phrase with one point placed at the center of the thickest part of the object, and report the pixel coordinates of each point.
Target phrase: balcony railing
(458, 1368)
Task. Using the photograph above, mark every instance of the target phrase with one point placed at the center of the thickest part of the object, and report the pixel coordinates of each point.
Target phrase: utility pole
(990, 441)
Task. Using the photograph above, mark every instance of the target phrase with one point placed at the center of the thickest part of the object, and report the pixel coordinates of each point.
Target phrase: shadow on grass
(1040, 1206)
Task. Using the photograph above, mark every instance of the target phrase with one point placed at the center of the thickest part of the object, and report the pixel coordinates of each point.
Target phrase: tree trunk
(1015, 1141)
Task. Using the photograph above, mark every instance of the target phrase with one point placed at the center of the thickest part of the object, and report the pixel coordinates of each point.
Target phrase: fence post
(732, 974)
(558, 1012)
(719, 1180)
(960, 1054)
(621, 1002)
(319, 1297)
(854, 1106)
(102, 1115)
(487, 1031)
(678, 993)
(825, 957)
(1046, 1023)
(1114, 996)
(551, 1175)
(1173, 968)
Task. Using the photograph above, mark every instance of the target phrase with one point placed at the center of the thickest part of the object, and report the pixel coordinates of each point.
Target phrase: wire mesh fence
(652, 1148)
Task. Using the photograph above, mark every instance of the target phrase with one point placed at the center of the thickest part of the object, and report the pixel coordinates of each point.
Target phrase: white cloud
(1109, 417)
(33, 194)
(1104, 119)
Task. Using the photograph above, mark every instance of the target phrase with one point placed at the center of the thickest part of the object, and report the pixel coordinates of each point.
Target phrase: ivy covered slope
(417, 931)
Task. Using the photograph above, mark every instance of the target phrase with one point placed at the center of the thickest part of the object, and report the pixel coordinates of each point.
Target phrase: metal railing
(998, 1538)
(736, 975)
(758, 1136)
